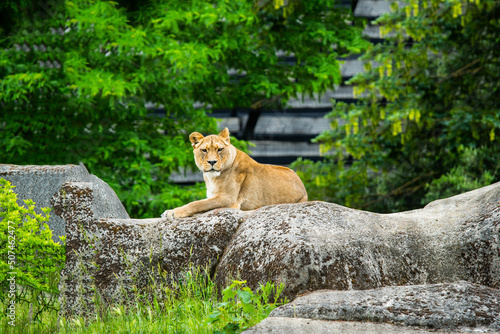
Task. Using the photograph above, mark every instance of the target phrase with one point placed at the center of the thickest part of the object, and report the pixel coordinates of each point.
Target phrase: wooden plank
(232, 123)
(373, 32)
(284, 124)
(372, 8)
(349, 68)
(186, 176)
(278, 148)
(325, 100)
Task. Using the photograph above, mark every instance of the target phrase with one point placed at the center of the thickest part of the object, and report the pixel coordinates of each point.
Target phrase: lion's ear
(224, 134)
(195, 138)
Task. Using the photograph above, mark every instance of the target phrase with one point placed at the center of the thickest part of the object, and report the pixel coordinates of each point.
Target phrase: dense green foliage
(80, 80)
(30, 261)
(429, 122)
(192, 306)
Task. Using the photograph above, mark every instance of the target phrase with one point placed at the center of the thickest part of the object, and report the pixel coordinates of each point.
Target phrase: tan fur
(237, 181)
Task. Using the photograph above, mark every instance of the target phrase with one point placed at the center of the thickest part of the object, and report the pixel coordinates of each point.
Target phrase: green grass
(191, 306)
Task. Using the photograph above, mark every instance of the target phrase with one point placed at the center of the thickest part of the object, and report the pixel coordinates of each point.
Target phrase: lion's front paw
(169, 215)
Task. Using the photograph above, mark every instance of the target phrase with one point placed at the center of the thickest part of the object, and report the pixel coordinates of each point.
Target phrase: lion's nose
(212, 162)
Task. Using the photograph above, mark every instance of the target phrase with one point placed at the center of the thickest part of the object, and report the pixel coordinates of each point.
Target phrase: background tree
(76, 78)
(428, 126)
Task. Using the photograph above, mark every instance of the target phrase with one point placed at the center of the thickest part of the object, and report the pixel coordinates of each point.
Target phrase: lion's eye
(204, 150)
(220, 150)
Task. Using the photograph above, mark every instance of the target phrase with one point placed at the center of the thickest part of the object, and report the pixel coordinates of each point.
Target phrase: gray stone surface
(277, 325)
(318, 245)
(113, 257)
(40, 183)
(447, 306)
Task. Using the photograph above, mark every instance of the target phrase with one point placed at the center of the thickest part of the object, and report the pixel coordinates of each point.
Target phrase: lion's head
(214, 153)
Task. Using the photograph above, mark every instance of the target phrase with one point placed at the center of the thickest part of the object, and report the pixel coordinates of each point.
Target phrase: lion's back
(269, 184)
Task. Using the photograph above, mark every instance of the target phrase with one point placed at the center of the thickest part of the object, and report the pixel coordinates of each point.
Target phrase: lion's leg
(197, 207)
(303, 199)
(236, 205)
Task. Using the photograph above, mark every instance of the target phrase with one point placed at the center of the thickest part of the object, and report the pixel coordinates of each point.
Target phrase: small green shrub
(469, 174)
(241, 308)
(30, 261)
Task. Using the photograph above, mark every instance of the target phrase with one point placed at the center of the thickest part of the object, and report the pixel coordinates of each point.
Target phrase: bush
(30, 261)
(241, 308)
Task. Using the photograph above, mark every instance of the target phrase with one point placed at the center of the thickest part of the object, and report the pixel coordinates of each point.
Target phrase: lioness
(234, 180)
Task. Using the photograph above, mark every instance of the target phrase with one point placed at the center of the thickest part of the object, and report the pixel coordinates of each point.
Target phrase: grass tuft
(193, 305)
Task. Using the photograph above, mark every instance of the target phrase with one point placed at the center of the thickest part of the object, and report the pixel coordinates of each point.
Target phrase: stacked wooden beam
(282, 136)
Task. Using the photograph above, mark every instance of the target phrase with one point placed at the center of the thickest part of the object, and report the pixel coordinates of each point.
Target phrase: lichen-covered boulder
(277, 325)
(434, 306)
(41, 182)
(113, 258)
(451, 306)
(306, 246)
(318, 245)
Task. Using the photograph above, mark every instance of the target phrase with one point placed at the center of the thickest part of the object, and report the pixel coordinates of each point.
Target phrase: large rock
(318, 245)
(277, 325)
(450, 307)
(306, 246)
(40, 183)
(114, 258)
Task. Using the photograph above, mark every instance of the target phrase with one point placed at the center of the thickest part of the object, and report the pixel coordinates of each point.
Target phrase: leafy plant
(241, 308)
(30, 261)
(465, 176)
(428, 121)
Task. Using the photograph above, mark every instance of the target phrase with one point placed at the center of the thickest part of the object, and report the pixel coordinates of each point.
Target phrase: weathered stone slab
(115, 257)
(277, 325)
(40, 183)
(318, 245)
(451, 306)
